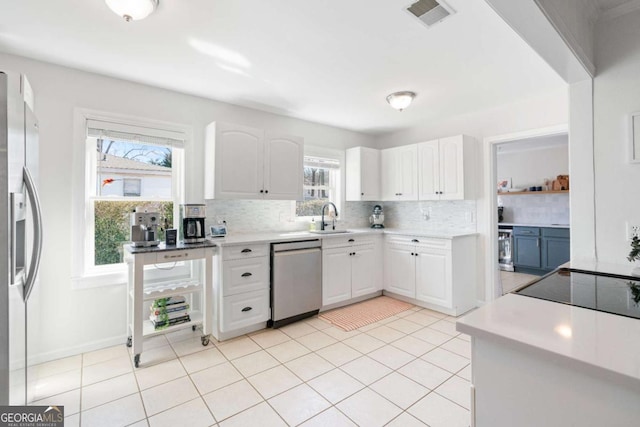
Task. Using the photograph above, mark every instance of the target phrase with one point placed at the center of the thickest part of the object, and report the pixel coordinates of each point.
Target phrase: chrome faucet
(322, 224)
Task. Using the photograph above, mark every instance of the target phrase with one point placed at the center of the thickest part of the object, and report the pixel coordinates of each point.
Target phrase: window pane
(121, 163)
(112, 228)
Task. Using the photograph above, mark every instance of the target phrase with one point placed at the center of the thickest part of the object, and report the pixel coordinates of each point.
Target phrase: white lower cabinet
(422, 270)
(242, 290)
(350, 271)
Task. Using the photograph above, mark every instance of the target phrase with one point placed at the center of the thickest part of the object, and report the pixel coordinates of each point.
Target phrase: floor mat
(363, 313)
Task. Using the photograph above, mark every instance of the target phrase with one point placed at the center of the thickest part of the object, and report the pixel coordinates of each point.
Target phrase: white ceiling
(326, 61)
(538, 143)
(610, 4)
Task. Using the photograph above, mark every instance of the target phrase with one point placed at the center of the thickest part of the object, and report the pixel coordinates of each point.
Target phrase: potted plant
(634, 255)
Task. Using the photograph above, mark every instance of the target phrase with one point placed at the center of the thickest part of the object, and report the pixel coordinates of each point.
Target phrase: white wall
(616, 93)
(528, 168)
(541, 112)
(63, 320)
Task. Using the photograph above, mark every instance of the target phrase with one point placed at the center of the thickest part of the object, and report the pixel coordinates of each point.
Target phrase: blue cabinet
(539, 250)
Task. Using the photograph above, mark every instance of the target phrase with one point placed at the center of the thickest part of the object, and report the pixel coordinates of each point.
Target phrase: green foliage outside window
(112, 227)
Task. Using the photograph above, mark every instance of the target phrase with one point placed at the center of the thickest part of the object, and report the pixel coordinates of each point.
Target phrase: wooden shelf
(516, 193)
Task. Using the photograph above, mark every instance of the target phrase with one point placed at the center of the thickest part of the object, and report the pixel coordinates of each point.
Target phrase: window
(321, 185)
(131, 187)
(127, 168)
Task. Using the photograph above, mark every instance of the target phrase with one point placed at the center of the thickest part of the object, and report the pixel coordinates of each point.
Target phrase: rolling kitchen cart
(200, 282)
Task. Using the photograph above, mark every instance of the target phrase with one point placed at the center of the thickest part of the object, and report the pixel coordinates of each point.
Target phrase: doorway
(526, 198)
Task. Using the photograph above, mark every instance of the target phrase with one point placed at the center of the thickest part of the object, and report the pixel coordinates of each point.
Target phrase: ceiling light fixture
(401, 100)
(132, 10)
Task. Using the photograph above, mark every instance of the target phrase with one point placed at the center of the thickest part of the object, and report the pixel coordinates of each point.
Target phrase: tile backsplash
(250, 216)
(536, 208)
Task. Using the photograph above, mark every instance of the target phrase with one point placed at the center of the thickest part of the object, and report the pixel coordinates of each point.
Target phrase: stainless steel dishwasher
(296, 281)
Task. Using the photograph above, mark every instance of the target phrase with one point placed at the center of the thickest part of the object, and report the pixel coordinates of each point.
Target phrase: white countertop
(517, 224)
(288, 236)
(596, 339)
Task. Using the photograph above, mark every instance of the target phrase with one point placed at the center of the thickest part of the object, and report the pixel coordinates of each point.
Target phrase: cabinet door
(283, 167)
(389, 180)
(555, 252)
(363, 271)
(400, 272)
(429, 170)
(452, 168)
(238, 162)
(336, 275)
(363, 174)
(433, 276)
(526, 251)
(407, 172)
(370, 174)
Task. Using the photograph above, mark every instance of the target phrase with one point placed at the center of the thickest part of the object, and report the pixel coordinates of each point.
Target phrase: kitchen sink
(330, 231)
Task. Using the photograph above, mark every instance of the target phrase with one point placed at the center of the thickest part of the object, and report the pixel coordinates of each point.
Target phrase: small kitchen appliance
(193, 217)
(377, 218)
(144, 228)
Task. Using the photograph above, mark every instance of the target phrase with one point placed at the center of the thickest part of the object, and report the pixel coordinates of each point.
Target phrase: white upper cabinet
(445, 168)
(283, 167)
(400, 173)
(363, 174)
(246, 163)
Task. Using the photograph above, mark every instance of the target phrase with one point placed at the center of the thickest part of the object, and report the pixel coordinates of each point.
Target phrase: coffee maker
(377, 218)
(193, 217)
(144, 227)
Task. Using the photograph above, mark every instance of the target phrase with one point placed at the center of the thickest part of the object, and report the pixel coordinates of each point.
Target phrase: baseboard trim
(79, 349)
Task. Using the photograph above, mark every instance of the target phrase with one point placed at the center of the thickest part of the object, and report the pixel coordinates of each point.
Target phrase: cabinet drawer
(347, 240)
(244, 251)
(239, 311)
(526, 231)
(556, 232)
(245, 275)
(427, 242)
(181, 255)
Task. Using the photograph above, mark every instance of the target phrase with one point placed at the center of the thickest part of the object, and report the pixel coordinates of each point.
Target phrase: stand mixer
(377, 218)
(144, 226)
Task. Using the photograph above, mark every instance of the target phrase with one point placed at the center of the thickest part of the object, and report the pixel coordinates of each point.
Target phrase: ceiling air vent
(430, 12)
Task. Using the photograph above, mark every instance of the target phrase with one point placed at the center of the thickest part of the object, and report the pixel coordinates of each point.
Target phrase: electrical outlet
(426, 214)
(219, 219)
(633, 230)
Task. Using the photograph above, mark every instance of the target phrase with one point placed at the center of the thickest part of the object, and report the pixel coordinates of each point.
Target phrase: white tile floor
(410, 369)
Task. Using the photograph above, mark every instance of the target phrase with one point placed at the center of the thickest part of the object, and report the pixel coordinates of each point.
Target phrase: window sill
(98, 280)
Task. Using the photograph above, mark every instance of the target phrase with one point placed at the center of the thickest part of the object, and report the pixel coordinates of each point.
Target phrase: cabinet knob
(362, 194)
(412, 253)
(262, 191)
(266, 191)
(247, 274)
(246, 251)
(247, 309)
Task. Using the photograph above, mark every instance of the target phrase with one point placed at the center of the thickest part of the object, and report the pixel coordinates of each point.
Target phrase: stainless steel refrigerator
(20, 230)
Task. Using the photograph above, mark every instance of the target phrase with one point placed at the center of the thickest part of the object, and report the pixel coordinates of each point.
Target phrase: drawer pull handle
(175, 256)
(247, 309)
(246, 274)
(351, 240)
(415, 241)
(246, 251)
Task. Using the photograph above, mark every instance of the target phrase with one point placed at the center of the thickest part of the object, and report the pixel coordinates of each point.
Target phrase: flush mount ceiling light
(132, 10)
(401, 100)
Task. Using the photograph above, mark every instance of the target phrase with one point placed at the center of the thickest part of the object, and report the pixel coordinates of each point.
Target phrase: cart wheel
(205, 341)
(129, 342)
(193, 327)
(136, 360)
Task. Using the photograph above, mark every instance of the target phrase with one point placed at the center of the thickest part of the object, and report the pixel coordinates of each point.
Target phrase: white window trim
(331, 153)
(84, 274)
